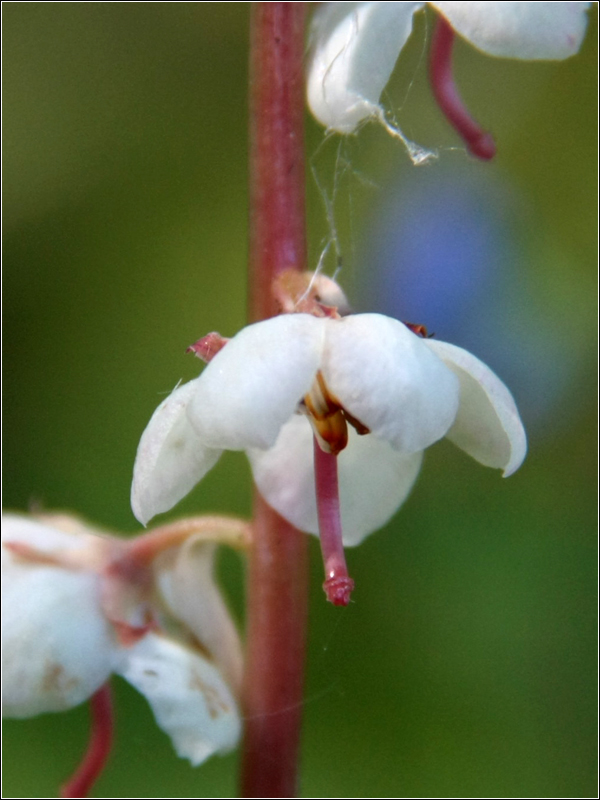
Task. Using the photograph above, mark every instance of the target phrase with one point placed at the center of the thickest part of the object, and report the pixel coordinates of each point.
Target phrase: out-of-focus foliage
(466, 664)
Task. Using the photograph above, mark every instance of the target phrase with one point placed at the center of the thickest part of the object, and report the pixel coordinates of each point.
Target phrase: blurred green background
(466, 665)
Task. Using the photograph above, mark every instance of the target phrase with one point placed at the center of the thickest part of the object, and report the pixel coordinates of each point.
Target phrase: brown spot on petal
(214, 702)
(56, 682)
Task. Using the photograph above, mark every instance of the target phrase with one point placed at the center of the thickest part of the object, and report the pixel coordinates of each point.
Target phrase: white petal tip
(354, 47)
(518, 452)
(189, 698)
(487, 426)
(171, 457)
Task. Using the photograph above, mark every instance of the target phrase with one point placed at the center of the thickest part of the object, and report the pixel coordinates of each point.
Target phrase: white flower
(78, 606)
(279, 382)
(354, 46)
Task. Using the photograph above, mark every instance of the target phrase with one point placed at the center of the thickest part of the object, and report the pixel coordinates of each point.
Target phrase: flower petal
(374, 480)
(53, 658)
(253, 385)
(488, 426)
(188, 696)
(185, 577)
(354, 49)
(171, 457)
(520, 29)
(389, 380)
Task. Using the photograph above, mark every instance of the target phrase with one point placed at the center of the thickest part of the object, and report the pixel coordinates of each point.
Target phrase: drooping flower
(368, 390)
(80, 605)
(354, 47)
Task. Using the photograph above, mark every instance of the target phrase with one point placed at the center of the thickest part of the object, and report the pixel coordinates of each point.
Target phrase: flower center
(326, 417)
(329, 418)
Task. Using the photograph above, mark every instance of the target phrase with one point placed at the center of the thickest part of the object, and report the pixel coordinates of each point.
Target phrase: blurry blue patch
(444, 251)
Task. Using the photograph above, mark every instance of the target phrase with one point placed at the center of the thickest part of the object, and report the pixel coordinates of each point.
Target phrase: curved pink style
(480, 143)
(99, 746)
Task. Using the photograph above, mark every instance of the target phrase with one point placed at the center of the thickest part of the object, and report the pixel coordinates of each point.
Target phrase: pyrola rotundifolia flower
(79, 605)
(354, 47)
(371, 392)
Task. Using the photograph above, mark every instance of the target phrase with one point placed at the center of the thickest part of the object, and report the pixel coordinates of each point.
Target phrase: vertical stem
(277, 601)
(277, 173)
(278, 573)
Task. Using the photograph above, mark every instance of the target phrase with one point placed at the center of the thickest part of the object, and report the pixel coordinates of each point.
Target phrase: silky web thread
(342, 168)
(385, 116)
(332, 239)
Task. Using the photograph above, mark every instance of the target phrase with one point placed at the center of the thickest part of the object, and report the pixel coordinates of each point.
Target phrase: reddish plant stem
(480, 143)
(278, 564)
(274, 679)
(277, 171)
(98, 750)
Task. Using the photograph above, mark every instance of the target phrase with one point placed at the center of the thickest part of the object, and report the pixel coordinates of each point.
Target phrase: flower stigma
(338, 585)
(329, 423)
